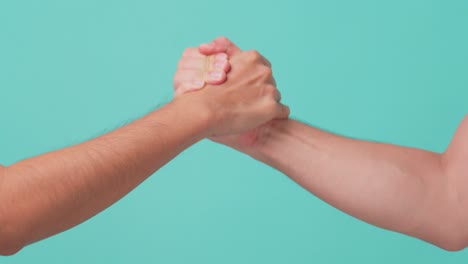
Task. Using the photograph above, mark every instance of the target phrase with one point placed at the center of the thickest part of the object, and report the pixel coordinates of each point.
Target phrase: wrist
(265, 139)
(196, 112)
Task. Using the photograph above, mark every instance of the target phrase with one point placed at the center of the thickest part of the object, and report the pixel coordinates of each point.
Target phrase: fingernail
(221, 56)
(208, 45)
(216, 75)
(219, 65)
(197, 84)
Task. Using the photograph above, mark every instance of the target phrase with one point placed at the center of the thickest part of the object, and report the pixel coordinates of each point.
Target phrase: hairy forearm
(398, 188)
(50, 193)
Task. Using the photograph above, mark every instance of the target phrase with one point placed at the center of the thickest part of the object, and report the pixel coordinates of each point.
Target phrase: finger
(221, 44)
(192, 52)
(207, 63)
(209, 48)
(282, 112)
(219, 62)
(277, 96)
(265, 61)
(189, 87)
(229, 46)
(217, 67)
(221, 65)
(216, 77)
(211, 77)
(273, 81)
(192, 63)
(184, 76)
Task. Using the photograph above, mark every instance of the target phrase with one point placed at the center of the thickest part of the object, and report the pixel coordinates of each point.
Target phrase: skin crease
(412, 191)
(50, 193)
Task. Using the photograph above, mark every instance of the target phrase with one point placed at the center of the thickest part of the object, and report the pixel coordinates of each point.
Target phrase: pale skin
(412, 191)
(50, 193)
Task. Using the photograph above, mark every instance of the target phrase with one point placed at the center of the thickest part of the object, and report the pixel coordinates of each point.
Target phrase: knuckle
(270, 90)
(272, 107)
(223, 38)
(252, 55)
(188, 51)
(176, 79)
(180, 64)
(264, 72)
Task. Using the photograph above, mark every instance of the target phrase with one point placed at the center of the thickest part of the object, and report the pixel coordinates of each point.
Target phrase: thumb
(220, 44)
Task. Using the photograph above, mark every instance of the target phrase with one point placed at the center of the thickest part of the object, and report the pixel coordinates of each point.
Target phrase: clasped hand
(236, 88)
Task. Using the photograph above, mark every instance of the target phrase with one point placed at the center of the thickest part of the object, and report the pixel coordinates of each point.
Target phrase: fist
(249, 97)
(195, 70)
(250, 78)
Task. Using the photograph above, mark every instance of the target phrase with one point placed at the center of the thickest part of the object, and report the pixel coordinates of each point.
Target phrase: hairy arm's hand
(408, 190)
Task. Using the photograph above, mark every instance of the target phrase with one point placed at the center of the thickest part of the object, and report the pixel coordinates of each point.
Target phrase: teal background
(393, 71)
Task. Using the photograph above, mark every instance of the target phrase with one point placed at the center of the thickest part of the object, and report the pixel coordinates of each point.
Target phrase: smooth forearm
(53, 192)
(397, 188)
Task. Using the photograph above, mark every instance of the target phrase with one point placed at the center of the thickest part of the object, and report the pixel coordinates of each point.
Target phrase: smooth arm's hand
(195, 70)
(407, 190)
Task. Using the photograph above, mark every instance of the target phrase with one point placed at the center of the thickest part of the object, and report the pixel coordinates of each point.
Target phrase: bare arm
(408, 190)
(45, 195)
(50, 193)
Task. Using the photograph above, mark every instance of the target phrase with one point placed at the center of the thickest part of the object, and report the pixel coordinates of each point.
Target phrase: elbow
(454, 237)
(9, 251)
(451, 235)
(10, 240)
(10, 235)
(453, 248)
(452, 243)
(451, 232)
